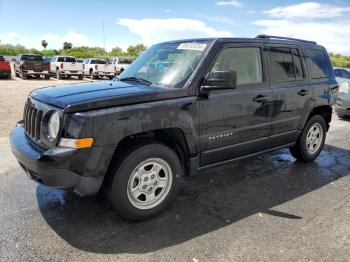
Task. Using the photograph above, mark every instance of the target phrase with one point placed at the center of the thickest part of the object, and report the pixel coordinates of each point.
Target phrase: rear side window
(246, 61)
(60, 59)
(32, 58)
(318, 64)
(98, 62)
(285, 64)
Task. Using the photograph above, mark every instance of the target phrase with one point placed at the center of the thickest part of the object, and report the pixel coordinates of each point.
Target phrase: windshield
(169, 64)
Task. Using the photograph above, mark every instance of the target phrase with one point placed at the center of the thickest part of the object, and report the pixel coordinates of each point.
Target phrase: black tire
(118, 190)
(9, 76)
(47, 77)
(80, 77)
(300, 150)
(92, 76)
(16, 74)
(58, 75)
(23, 75)
(111, 77)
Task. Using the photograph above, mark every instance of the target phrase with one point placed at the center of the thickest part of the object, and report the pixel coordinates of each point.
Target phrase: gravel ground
(267, 208)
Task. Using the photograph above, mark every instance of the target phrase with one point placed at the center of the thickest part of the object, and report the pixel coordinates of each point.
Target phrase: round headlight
(53, 125)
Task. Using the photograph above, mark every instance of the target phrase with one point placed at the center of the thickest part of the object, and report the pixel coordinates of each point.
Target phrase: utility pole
(103, 32)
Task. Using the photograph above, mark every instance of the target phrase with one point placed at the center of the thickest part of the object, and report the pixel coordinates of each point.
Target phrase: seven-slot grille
(32, 120)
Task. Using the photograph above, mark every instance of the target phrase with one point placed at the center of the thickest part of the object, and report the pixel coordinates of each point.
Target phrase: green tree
(136, 50)
(44, 44)
(116, 51)
(67, 46)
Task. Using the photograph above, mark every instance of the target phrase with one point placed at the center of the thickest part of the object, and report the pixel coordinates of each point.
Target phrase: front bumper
(53, 167)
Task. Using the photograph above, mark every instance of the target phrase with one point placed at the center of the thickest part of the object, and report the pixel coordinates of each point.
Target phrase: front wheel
(145, 182)
(311, 141)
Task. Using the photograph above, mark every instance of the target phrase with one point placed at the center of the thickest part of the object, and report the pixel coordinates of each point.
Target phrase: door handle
(260, 98)
(303, 92)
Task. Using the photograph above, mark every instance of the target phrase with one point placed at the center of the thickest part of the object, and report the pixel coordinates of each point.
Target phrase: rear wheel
(58, 74)
(47, 77)
(23, 75)
(311, 141)
(80, 77)
(145, 182)
(92, 76)
(9, 76)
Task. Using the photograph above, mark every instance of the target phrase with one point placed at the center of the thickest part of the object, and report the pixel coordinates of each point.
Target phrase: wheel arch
(174, 138)
(325, 111)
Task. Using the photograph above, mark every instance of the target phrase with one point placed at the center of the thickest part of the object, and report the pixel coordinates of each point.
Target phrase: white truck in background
(120, 64)
(66, 66)
(97, 68)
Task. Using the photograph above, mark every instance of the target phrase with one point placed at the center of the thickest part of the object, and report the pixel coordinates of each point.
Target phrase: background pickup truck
(96, 68)
(120, 64)
(5, 68)
(31, 65)
(66, 66)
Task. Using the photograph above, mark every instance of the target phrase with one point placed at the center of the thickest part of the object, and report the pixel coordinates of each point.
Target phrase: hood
(94, 95)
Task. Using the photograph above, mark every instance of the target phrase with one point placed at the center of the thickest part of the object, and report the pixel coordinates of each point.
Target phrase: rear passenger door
(290, 93)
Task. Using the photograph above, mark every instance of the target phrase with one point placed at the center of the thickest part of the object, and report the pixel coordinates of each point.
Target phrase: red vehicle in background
(5, 68)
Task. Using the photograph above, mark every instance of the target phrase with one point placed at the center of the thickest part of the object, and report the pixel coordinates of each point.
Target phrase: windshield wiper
(136, 79)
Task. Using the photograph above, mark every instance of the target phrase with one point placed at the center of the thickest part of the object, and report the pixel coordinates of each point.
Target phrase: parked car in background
(97, 68)
(216, 101)
(342, 107)
(5, 68)
(66, 66)
(79, 60)
(47, 58)
(120, 64)
(31, 65)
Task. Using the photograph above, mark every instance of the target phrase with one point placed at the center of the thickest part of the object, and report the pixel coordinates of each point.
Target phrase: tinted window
(317, 63)
(71, 60)
(297, 64)
(98, 62)
(246, 61)
(124, 61)
(282, 66)
(60, 59)
(32, 57)
(2, 58)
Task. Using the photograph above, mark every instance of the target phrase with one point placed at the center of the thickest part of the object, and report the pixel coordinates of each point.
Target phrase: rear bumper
(100, 73)
(36, 73)
(71, 73)
(52, 167)
(5, 72)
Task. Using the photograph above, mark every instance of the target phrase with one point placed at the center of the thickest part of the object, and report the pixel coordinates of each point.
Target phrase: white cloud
(153, 31)
(56, 41)
(235, 3)
(327, 25)
(307, 10)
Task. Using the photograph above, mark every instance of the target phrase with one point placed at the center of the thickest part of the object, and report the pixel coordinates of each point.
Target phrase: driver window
(246, 61)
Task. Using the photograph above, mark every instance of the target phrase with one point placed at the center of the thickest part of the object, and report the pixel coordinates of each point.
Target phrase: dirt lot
(269, 208)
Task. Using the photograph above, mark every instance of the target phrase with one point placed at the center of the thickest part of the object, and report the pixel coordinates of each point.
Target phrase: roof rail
(285, 38)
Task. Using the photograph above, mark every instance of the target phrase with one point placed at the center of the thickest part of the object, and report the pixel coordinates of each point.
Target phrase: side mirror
(220, 80)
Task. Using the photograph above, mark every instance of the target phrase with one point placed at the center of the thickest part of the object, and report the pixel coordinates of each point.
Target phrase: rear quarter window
(318, 63)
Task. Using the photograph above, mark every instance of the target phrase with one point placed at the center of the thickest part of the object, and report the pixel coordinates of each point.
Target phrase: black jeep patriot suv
(181, 107)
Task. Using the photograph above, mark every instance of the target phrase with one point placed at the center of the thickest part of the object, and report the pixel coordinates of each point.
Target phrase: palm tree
(67, 45)
(44, 44)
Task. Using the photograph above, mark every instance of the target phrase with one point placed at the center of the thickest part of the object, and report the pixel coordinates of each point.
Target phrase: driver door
(235, 122)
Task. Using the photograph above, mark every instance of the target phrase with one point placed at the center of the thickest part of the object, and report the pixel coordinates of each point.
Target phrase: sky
(130, 22)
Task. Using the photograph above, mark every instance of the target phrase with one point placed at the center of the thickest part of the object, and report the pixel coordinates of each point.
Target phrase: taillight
(96, 67)
(49, 66)
(61, 65)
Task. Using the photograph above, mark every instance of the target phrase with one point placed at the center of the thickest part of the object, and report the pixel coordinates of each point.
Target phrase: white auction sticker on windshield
(192, 46)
